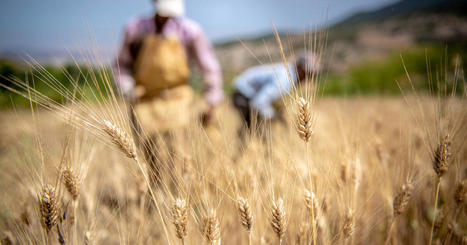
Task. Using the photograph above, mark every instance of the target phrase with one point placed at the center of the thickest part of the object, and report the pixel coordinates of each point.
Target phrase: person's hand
(207, 116)
(139, 91)
(134, 95)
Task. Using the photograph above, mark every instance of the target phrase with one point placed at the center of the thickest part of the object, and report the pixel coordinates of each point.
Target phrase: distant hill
(407, 7)
(364, 34)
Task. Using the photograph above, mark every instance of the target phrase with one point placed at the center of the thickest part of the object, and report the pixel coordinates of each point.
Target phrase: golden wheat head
(180, 218)
(245, 213)
(402, 199)
(48, 206)
(278, 222)
(441, 156)
(120, 138)
(304, 119)
(211, 228)
(71, 182)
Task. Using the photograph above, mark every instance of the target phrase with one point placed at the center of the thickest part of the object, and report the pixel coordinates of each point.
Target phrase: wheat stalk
(399, 205)
(302, 233)
(311, 202)
(440, 165)
(304, 125)
(123, 141)
(180, 218)
(460, 197)
(279, 222)
(48, 206)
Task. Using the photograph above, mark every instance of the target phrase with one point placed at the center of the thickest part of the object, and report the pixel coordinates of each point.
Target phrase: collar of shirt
(173, 27)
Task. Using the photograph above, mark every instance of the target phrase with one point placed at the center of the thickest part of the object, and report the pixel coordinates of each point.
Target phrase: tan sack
(161, 64)
(169, 110)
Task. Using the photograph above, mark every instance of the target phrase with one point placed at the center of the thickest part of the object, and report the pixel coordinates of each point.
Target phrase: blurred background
(366, 39)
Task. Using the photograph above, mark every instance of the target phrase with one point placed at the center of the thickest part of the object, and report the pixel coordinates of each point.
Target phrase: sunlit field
(73, 173)
(126, 122)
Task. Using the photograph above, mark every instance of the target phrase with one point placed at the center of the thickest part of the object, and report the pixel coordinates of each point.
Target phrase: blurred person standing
(257, 89)
(152, 72)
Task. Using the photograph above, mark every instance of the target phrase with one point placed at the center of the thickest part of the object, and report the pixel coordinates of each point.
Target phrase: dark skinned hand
(207, 116)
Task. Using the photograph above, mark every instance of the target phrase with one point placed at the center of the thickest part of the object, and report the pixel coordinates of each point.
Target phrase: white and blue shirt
(264, 85)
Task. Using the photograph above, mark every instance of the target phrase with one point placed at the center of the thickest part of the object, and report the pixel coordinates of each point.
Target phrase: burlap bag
(168, 111)
(161, 64)
(162, 71)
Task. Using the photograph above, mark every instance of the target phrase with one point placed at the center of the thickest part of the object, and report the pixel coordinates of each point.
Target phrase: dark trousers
(242, 104)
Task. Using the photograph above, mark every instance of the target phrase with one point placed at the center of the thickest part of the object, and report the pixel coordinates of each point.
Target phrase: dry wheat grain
(402, 199)
(71, 182)
(245, 213)
(48, 206)
(180, 218)
(441, 156)
(304, 119)
(278, 222)
(211, 228)
(120, 138)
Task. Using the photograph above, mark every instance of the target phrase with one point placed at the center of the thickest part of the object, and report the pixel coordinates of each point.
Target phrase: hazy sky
(41, 25)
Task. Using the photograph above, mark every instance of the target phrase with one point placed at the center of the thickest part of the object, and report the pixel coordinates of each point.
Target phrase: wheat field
(356, 170)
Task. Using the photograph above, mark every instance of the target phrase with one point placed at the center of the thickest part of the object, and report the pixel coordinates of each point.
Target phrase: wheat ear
(246, 217)
(399, 205)
(120, 138)
(245, 213)
(349, 224)
(460, 196)
(211, 228)
(48, 206)
(88, 238)
(304, 119)
(278, 222)
(441, 156)
(402, 199)
(180, 218)
(71, 182)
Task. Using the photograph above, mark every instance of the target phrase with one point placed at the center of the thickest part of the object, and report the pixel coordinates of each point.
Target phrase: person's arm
(123, 66)
(211, 71)
(209, 66)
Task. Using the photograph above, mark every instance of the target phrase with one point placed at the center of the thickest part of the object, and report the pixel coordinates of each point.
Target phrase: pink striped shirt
(191, 36)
